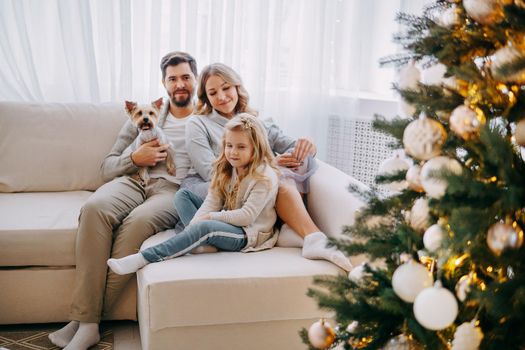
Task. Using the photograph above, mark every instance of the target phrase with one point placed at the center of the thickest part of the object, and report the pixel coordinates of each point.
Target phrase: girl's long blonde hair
(262, 155)
(231, 77)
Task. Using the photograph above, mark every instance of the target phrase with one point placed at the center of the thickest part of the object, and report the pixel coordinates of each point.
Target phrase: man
(124, 212)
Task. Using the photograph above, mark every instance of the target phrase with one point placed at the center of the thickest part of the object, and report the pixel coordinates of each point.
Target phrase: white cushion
(228, 288)
(39, 228)
(55, 147)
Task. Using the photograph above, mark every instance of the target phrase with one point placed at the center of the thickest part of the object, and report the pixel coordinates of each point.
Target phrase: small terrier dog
(145, 118)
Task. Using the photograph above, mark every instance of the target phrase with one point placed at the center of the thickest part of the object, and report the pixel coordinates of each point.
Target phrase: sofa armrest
(330, 204)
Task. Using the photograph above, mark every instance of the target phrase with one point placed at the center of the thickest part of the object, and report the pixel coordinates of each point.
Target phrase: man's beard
(181, 103)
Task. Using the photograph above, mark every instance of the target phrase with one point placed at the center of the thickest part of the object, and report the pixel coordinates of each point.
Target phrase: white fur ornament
(420, 215)
(466, 122)
(423, 138)
(432, 185)
(435, 308)
(435, 75)
(484, 11)
(391, 166)
(433, 237)
(409, 77)
(410, 279)
(467, 337)
(506, 55)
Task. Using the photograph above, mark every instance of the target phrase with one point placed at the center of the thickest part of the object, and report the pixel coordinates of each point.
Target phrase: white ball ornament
(484, 11)
(433, 237)
(467, 337)
(435, 308)
(449, 17)
(410, 279)
(463, 287)
(420, 215)
(501, 236)
(391, 166)
(465, 122)
(433, 185)
(423, 138)
(321, 335)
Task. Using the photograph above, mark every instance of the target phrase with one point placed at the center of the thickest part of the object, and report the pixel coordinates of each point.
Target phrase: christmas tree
(447, 262)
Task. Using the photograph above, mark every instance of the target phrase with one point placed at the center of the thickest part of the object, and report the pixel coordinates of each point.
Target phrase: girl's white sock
(87, 335)
(314, 247)
(128, 264)
(63, 336)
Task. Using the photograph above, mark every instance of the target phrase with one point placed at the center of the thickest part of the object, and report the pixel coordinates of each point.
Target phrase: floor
(126, 335)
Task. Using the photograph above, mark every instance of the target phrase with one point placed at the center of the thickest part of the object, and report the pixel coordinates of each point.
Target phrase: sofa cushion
(39, 228)
(228, 288)
(55, 147)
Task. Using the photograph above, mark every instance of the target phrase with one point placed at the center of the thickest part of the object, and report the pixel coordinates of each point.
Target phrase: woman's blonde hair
(262, 155)
(231, 77)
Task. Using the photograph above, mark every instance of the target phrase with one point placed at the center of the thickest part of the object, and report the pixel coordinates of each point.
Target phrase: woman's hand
(303, 148)
(287, 160)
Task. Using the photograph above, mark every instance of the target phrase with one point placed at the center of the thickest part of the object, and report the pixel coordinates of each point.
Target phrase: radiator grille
(356, 148)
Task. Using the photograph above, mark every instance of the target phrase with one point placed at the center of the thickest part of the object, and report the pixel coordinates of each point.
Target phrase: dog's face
(144, 117)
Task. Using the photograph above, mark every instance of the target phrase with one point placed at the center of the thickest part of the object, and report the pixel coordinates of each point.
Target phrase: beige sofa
(50, 156)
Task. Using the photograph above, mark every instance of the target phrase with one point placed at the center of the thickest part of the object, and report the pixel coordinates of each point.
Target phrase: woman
(221, 96)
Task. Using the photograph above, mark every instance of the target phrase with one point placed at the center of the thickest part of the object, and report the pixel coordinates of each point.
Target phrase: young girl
(238, 213)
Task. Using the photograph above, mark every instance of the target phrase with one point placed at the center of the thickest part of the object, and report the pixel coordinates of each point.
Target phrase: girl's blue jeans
(206, 232)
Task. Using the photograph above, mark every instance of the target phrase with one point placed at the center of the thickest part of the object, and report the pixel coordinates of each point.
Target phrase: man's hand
(303, 148)
(149, 153)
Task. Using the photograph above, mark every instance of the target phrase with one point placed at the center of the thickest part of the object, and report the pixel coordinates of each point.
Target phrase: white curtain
(301, 60)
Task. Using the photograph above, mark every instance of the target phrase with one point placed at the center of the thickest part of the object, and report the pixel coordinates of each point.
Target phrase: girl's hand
(303, 148)
(201, 218)
(287, 160)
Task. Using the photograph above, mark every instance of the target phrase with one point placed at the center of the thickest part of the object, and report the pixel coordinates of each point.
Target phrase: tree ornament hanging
(410, 279)
(504, 56)
(424, 137)
(321, 334)
(433, 237)
(435, 75)
(501, 236)
(409, 77)
(391, 166)
(519, 133)
(466, 122)
(467, 337)
(402, 342)
(435, 308)
(420, 215)
(484, 11)
(413, 178)
(358, 273)
(434, 186)
(464, 286)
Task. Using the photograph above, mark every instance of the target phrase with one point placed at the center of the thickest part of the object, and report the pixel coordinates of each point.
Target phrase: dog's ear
(130, 106)
(157, 104)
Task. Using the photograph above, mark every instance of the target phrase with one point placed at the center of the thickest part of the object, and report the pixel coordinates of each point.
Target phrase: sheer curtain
(301, 60)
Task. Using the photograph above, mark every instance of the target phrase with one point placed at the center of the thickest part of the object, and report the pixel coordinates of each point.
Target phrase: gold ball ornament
(502, 236)
(434, 186)
(519, 133)
(402, 342)
(321, 334)
(504, 56)
(413, 178)
(484, 11)
(519, 3)
(419, 217)
(466, 122)
(467, 337)
(423, 138)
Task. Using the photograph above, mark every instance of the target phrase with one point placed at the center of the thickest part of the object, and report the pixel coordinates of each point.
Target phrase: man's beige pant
(114, 222)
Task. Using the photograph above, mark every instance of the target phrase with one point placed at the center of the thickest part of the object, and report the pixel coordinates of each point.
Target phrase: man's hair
(176, 57)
